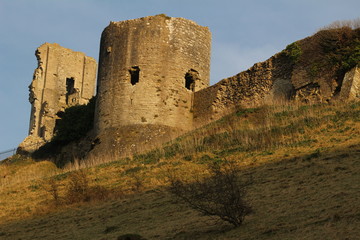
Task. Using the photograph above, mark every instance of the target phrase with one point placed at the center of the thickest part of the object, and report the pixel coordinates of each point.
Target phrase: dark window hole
(190, 77)
(135, 74)
(70, 88)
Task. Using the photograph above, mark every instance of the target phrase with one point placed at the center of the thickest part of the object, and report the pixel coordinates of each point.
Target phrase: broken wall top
(62, 79)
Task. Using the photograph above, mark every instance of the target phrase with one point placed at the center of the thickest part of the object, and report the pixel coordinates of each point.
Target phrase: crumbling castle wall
(302, 73)
(268, 82)
(62, 79)
(149, 69)
(153, 84)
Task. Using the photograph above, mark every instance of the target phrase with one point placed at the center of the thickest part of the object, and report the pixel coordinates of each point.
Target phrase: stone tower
(149, 69)
(63, 78)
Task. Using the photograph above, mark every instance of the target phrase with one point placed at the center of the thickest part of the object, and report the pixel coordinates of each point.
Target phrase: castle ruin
(153, 85)
(63, 78)
(149, 69)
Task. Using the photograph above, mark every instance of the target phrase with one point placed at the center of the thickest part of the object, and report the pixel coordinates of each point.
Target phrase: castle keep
(149, 69)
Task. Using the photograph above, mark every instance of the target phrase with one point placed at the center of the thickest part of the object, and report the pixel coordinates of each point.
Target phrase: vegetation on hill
(330, 52)
(303, 160)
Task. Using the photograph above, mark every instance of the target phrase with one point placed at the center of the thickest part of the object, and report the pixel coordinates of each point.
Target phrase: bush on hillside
(293, 52)
(52, 187)
(221, 194)
(78, 189)
(341, 47)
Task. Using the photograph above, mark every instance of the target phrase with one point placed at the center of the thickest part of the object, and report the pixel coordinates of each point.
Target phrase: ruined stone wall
(62, 79)
(305, 72)
(267, 82)
(149, 69)
(274, 81)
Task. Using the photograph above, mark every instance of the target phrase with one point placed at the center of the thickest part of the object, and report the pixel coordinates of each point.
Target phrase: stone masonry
(149, 69)
(264, 83)
(62, 79)
(153, 84)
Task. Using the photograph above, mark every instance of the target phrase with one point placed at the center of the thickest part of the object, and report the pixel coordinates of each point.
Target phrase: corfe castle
(153, 85)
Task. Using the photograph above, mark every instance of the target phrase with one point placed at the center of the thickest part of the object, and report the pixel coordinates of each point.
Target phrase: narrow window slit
(134, 74)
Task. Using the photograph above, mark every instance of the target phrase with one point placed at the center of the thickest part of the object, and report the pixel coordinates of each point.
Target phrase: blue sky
(243, 32)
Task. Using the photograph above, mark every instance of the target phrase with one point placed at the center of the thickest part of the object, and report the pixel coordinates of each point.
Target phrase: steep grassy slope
(304, 162)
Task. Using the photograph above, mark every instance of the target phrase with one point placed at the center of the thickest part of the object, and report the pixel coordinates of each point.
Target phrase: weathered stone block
(350, 89)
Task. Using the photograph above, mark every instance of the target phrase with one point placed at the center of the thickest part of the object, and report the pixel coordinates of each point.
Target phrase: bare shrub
(221, 194)
(353, 24)
(52, 187)
(79, 190)
(138, 183)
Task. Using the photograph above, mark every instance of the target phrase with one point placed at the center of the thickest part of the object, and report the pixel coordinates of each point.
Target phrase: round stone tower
(149, 69)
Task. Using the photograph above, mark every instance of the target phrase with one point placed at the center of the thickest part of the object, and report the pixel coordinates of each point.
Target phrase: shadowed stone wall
(62, 79)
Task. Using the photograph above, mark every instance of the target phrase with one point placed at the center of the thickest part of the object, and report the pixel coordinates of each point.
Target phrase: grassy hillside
(304, 162)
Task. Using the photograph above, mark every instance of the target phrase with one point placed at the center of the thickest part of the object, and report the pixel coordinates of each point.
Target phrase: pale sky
(243, 32)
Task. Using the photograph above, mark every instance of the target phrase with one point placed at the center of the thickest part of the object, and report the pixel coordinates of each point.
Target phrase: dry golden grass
(306, 183)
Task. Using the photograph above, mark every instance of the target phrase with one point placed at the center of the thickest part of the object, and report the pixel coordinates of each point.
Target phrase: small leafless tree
(79, 189)
(52, 187)
(221, 194)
